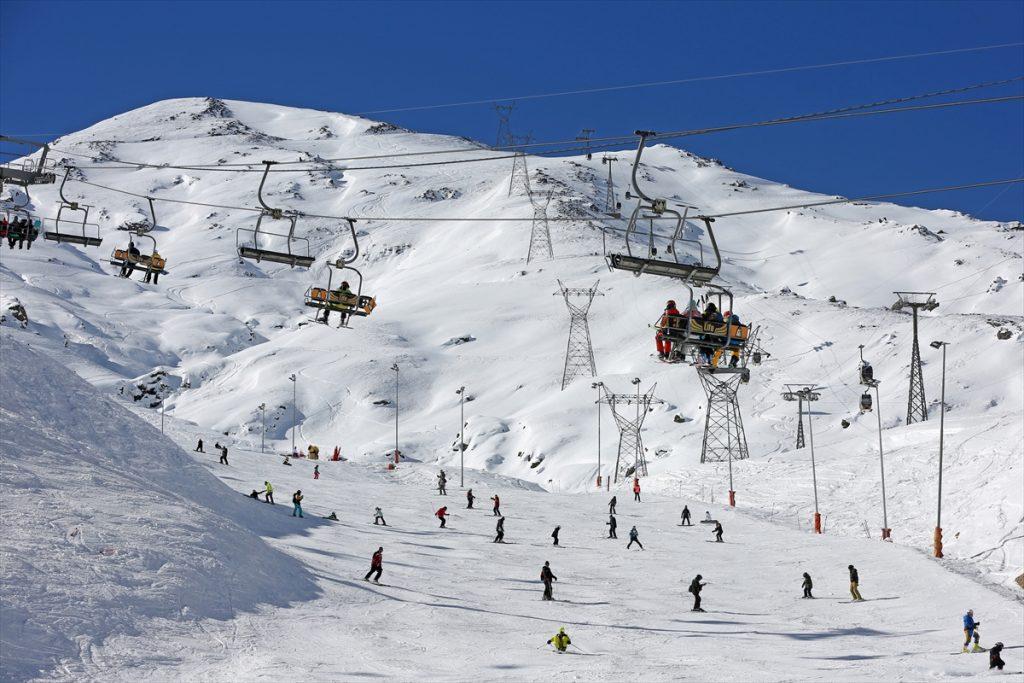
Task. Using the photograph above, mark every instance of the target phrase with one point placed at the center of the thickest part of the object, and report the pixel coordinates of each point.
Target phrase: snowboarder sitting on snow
(994, 660)
(611, 526)
(547, 577)
(268, 493)
(286, 461)
(442, 514)
(634, 537)
(297, 502)
(686, 517)
(971, 631)
(554, 534)
(255, 495)
(469, 499)
(695, 587)
(378, 516)
(500, 529)
(560, 640)
(807, 585)
(376, 565)
(855, 585)
(717, 531)
(333, 517)
(707, 517)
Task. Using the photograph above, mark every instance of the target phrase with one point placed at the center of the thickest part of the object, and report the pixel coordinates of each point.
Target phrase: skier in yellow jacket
(560, 640)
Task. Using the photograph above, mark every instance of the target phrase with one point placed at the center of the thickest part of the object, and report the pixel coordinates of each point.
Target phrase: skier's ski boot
(977, 648)
(965, 650)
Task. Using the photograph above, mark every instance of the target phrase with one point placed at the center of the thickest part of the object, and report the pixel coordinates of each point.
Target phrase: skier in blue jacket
(971, 631)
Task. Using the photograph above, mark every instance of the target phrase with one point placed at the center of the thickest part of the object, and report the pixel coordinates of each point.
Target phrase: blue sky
(65, 65)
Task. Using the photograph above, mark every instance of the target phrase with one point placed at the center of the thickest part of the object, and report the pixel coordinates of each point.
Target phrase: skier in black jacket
(686, 517)
(611, 526)
(807, 585)
(718, 532)
(500, 528)
(554, 534)
(695, 587)
(547, 577)
(611, 506)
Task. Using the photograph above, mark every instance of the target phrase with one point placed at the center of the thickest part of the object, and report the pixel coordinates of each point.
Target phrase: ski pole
(574, 645)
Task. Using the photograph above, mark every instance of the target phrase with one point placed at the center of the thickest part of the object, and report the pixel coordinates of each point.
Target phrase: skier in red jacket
(376, 565)
(442, 514)
(636, 489)
(670, 318)
(497, 505)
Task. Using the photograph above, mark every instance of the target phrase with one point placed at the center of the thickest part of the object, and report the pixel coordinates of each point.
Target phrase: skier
(199, 447)
(670, 318)
(636, 489)
(807, 585)
(497, 505)
(560, 640)
(855, 590)
(547, 577)
(316, 471)
(500, 529)
(695, 587)
(151, 273)
(611, 506)
(268, 493)
(441, 514)
(971, 631)
(442, 483)
(554, 534)
(717, 531)
(634, 537)
(224, 455)
(994, 660)
(611, 523)
(342, 294)
(469, 499)
(376, 565)
(378, 515)
(686, 517)
(297, 502)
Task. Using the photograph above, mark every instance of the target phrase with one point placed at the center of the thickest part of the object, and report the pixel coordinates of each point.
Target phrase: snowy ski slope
(185, 590)
(229, 334)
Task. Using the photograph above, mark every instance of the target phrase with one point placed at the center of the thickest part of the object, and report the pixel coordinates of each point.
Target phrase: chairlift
(707, 341)
(131, 257)
(865, 402)
(756, 357)
(867, 374)
(86, 240)
(646, 259)
(20, 225)
(342, 300)
(26, 172)
(296, 248)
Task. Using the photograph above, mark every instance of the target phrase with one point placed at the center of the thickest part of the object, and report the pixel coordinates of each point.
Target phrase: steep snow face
(111, 532)
(458, 305)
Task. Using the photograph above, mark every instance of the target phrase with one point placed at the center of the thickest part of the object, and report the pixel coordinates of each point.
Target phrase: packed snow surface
(459, 306)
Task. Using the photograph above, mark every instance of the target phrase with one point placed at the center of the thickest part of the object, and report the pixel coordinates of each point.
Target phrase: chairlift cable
(595, 144)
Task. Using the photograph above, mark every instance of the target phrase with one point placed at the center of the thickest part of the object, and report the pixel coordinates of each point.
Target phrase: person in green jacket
(268, 493)
(560, 640)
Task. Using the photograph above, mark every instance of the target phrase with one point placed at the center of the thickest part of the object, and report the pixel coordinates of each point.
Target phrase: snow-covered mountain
(458, 305)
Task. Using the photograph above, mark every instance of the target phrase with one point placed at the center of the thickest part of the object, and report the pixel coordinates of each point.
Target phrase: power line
(577, 148)
(695, 79)
(463, 219)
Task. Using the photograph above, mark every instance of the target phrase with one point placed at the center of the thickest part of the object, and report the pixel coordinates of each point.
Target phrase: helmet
(699, 577)
(561, 630)
(671, 303)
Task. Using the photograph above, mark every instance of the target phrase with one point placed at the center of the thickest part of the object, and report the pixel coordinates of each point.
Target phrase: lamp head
(938, 344)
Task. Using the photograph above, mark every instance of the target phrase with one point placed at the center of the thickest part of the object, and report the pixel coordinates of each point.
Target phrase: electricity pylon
(917, 407)
(579, 353)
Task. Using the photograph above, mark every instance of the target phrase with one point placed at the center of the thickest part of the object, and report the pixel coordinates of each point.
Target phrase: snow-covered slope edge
(110, 530)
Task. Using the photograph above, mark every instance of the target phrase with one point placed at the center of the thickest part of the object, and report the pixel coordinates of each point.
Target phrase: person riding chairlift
(711, 315)
(132, 257)
(342, 292)
(734, 321)
(670, 318)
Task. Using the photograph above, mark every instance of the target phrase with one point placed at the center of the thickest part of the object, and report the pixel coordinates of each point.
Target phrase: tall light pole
(598, 385)
(462, 440)
(295, 423)
(942, 416)
(809, 396)
(636, 382)
(163, 404)
(394, 367)
(867, 378)
(263, 435)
